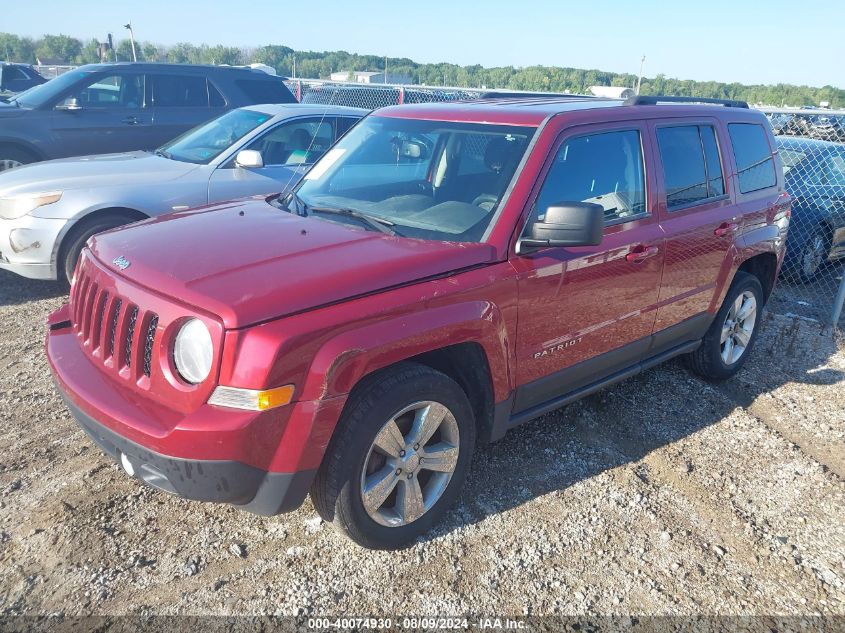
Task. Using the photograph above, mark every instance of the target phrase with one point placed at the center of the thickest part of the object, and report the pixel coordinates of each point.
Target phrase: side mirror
(69, 105)
(249, 159)
(566, 224)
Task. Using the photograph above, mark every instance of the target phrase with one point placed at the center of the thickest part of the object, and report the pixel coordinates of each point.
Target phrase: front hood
(90, 172)
(248, 262)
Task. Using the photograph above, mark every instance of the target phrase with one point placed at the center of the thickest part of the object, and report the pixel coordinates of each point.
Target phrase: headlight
(15, 207)
(193, 351)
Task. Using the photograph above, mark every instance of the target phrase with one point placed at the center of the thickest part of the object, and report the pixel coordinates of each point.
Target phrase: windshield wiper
(374, 222)
(162, 153)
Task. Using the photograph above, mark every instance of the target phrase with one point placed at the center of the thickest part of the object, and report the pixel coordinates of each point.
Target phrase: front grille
(113, 329)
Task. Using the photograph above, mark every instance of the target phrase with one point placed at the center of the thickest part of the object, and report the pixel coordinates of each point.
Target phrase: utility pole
(640, 77)
(131, 40)
(294, 66)
(385, 70)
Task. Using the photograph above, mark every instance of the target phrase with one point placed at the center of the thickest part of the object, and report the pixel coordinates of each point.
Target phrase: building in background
(370, 77)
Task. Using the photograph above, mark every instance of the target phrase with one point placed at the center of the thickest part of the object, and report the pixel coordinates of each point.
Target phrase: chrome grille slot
(113, 333)
(130, 335)
(148, 344)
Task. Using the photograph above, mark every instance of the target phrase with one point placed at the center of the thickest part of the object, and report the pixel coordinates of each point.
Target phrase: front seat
(299, 146)
(499, 156)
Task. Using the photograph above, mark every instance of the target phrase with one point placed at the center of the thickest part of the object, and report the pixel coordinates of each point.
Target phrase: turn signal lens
(251, 399)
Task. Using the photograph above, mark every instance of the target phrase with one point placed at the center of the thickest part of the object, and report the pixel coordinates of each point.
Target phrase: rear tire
(384, 481)
(730, 338)
(814, 254)
(75, 241)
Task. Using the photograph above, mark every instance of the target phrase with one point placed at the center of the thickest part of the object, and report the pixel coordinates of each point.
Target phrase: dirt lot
(663, 495)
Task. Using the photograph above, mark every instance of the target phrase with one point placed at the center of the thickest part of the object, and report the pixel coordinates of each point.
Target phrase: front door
(587, 312)
(287, 149)
(106, 115)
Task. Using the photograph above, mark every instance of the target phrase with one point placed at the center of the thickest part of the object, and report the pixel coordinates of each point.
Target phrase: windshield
(204, 143)
(427, 179)
(38, 96)
(790, 158)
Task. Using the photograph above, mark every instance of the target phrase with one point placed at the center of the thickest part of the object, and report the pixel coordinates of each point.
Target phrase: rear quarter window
(754, 161)
(258, 91)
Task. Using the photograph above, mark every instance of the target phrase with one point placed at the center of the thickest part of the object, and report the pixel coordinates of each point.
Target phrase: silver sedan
(49, 210)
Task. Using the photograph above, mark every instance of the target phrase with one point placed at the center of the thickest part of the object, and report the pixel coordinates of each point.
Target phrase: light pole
(640, 77)
(131, 40)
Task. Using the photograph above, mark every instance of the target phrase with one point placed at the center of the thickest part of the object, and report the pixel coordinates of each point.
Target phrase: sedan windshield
(427, 179)
(790, 158)
(206, 142)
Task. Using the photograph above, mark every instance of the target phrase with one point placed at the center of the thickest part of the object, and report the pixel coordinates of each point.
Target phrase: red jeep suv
(443, 274)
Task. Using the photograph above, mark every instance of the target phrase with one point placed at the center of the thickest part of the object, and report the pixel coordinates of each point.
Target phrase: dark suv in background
(104, 108)
(17, 78)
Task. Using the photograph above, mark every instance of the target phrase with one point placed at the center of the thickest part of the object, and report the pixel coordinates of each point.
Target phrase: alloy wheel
(813, 256)
(410, 463)
(738, 327)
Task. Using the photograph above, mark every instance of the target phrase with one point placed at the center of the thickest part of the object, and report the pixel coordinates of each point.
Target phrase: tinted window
(258, 91)
(684, 169)
(715, 180)
(11, 73)
(295, 142)
(113, 91)
(605, 168)
(215, 99)
(754, 162)
(174, 91)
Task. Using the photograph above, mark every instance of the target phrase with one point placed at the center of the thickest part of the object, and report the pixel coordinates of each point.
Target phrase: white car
(49, 210)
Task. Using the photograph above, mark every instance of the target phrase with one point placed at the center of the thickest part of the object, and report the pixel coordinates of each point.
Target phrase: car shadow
(624, 423)
(15, 289)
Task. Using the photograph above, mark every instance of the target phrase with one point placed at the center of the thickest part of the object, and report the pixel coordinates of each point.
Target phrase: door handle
(642, 252)
(726, 228)
(131, 120)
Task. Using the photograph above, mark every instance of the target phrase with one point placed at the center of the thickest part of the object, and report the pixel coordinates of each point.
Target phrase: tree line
(319, 65)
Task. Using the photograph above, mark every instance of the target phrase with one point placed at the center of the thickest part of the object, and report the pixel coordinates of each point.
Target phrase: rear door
(180, 102)
(108, 113)
(701, 222)
(288, 150)
(587, 312)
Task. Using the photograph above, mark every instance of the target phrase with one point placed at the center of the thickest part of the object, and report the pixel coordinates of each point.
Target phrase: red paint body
(316, 304)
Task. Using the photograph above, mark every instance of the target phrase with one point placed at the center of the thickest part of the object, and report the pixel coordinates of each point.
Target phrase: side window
(715, 178)
(265, 91)
(13, 73)
(343, 124)
(295, 142)
(754, 161)
(835, 169)
(179, 91)
(215, 99)
(113, 91)
(692, 167)
(604, 168)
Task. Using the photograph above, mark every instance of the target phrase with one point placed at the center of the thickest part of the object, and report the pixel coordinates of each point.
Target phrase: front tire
(11, 157)
(814, 253)
(398, 459)
(730, 338)
(79, 236)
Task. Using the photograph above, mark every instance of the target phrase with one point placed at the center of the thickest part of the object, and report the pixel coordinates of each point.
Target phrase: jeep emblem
(121, 262)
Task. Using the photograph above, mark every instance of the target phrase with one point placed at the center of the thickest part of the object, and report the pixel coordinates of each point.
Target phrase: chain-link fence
(810, 143)
(372, 96)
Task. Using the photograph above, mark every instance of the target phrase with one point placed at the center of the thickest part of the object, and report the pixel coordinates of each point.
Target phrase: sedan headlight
(15, 207)
(193, 352)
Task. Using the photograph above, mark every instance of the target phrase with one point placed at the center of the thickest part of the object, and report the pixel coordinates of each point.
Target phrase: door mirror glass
(249, 159)
(70, 104)
(566, 224)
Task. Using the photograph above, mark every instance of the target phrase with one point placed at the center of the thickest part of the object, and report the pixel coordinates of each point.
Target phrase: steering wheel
(486, 197)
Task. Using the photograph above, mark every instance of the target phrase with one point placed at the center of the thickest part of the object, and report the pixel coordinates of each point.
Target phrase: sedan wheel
(410, 463)
(814, 255)
(738, 327)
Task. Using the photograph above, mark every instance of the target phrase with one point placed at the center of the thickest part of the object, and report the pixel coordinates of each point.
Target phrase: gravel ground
(662, 495)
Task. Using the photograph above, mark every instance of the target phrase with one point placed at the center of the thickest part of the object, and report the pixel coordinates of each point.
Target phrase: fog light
(127, 465)
(22, 239)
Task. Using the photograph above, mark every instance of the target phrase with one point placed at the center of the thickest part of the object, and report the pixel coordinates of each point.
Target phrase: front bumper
(28, 246)
(263, 462)
(221, 481)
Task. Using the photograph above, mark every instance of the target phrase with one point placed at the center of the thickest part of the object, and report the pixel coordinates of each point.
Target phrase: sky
(723, 40)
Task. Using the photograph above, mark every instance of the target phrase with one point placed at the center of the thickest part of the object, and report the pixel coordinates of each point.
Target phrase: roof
(807, 144)
(317, 109)
(176, 67)
(533, 111)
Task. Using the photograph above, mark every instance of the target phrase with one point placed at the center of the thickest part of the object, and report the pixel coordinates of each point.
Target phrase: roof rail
(654, 100)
